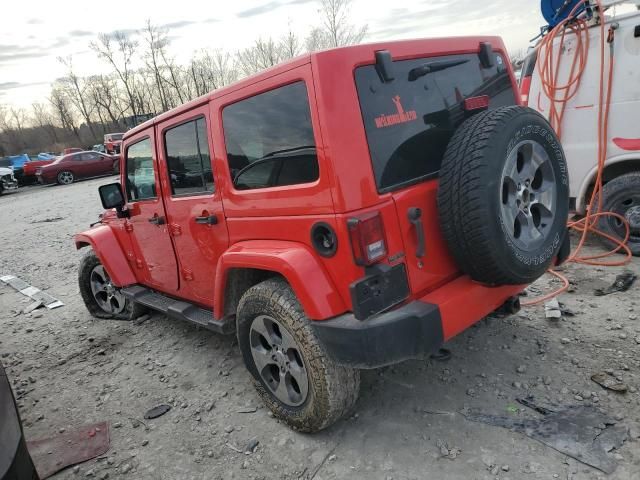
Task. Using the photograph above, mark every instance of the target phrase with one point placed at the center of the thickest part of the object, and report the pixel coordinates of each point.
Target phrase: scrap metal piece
(32, 292)
(581, 432)
(622, 283)
(50, 455)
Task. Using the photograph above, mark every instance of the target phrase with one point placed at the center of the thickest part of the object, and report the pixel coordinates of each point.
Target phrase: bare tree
(289, 45)
(263, 54)
(120, 57)
(62, 108)
(43, 119)
(337, 28)
(77, 92)
(157, 41)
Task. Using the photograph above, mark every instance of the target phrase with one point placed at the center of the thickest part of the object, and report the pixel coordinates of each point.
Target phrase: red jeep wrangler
(349, 209)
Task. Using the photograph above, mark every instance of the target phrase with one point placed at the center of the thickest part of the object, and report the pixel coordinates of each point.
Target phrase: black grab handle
(415, 217)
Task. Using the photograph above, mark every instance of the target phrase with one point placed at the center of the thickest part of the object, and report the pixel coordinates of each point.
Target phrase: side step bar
(177, 309)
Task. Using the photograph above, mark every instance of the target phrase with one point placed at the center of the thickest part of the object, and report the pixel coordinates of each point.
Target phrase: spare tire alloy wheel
(65, 178)
(278, 361)
(503, 196)
(528, 195)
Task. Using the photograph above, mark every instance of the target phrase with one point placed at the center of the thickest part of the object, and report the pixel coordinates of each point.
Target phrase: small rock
(332, 457)
(505, 468)
(76, 469)
(229, 429)
(521, 369)
(565, 340)
(145, 443)
(209, 406)
(104, 475)
(210, 453)
(90, 473)
(125, 468)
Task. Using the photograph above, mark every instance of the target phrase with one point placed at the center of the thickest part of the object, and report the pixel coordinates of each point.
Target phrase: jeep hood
(5, 171)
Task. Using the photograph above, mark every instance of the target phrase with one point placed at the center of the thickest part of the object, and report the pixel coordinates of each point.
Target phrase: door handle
(415, 217)
(157, 220)
(208, 220)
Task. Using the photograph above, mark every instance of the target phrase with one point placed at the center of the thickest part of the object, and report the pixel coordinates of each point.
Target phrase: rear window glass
(269, 139)
(409, 121)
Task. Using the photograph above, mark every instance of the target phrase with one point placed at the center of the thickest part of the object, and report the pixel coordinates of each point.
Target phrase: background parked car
(7, 180)
(69, 168)
(112, 142)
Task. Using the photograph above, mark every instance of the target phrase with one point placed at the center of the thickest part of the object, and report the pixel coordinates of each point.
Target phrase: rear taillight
(525, 87)
(476, 103)
(367, 238)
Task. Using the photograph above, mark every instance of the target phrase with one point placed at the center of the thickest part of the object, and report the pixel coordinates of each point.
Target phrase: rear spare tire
(503, 196)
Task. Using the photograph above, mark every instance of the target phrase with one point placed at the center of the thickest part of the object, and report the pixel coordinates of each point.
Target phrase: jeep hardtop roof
(350, 56)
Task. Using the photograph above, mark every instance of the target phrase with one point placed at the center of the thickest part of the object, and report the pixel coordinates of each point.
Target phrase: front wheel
(622, 196)
(101, 297)
(291, 371)
(65, 177)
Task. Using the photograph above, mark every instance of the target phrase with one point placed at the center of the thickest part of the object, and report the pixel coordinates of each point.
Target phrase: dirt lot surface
(69, 369)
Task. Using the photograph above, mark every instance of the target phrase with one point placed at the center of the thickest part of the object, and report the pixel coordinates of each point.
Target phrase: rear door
(195, 218)
(153, 258)
(409, 122)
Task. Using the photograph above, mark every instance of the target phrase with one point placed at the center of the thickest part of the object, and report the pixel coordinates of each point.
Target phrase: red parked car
(112, 142)
(69, 168)
(350, 209)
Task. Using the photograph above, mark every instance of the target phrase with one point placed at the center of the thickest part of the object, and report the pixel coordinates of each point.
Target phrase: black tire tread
(333, 389)
(627, 181)
(462, 209)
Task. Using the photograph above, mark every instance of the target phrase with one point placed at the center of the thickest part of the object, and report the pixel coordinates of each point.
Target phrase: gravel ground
(70, 369)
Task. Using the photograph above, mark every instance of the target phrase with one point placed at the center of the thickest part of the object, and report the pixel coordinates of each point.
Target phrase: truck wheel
(65, 177)
(102, 298)
(291, 371)
(622, 196)
(503, 197)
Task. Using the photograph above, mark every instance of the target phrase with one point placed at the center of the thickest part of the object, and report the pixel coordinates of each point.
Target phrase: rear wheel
(65, 177)
(101, 297)
(291, 371)
(503, 198)
(622, 196)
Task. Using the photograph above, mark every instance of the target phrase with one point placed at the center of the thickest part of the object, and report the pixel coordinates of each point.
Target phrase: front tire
(103, 299)
(291, 371)
(65, 178)
(622, 196)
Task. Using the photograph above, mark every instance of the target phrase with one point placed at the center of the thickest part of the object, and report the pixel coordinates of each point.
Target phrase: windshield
(410, 120)
(117, 136)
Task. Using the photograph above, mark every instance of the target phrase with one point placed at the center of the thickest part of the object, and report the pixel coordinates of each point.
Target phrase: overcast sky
(34, 33)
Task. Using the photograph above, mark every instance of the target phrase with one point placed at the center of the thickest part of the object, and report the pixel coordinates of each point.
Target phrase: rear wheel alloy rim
(108, 297)
(278, 360)
(528, 195)
(65, 177)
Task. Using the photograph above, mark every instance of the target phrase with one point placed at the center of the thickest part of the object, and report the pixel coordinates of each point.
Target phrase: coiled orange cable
(559, 94)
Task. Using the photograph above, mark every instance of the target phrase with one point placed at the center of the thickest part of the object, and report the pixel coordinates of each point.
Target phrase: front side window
(141, 181)
(269, 139)
(188, 160)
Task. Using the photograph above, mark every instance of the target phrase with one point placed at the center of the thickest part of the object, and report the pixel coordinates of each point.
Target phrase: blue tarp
(18, 161)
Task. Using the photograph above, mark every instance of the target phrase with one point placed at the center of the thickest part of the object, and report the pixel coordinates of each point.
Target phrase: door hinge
(186, 274)
(175, 229)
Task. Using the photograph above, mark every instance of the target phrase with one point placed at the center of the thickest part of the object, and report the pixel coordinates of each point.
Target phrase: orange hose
(559, 95)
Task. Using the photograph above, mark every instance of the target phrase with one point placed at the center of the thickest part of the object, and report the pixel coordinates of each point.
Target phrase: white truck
(579, 135)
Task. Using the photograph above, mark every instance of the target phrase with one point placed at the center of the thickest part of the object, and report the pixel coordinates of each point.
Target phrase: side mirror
(111, 197)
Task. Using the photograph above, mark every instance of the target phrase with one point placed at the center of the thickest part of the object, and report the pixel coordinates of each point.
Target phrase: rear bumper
(413, 330)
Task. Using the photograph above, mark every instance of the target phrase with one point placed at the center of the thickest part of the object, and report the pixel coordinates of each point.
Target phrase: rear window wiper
(431, 67)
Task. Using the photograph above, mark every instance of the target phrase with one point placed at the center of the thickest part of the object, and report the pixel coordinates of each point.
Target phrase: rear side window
(410, 120)
(269, 139)
(141, 181)
(188, 160)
